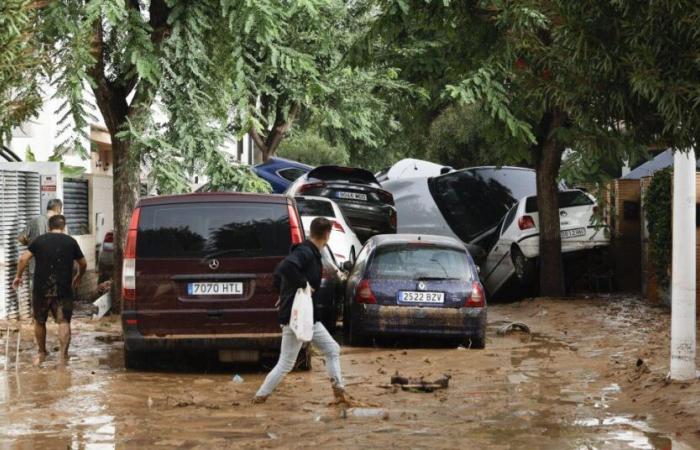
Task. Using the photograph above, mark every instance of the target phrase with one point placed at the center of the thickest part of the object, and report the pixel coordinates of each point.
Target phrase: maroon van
(198, 274)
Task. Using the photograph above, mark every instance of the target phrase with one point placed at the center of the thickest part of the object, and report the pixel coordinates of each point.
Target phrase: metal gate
(75, 206)
(20, 201)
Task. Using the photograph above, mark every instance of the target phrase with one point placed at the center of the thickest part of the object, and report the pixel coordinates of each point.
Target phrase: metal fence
(75, 206)
(19, 202)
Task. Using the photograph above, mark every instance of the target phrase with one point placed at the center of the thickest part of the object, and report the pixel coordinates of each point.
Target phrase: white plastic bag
(302, 320)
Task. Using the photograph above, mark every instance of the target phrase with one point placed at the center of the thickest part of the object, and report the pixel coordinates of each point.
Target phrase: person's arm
(23, 238)
(82, 266)
(290, 269)
(21, 266)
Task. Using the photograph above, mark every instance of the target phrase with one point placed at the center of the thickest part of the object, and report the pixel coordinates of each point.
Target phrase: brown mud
(575, 382)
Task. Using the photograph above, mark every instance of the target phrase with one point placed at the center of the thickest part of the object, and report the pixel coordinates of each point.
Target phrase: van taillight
(526, 222)
(294, 227)
(364, 293)
(129, 265)
(477, 296)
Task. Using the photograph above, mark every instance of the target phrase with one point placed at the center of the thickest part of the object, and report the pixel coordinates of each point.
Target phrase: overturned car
(493, 210)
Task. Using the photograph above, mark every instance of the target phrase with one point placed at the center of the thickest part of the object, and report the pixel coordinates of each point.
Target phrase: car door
(499, 264)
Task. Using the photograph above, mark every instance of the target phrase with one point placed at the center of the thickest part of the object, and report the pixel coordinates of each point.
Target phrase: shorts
(61, 309)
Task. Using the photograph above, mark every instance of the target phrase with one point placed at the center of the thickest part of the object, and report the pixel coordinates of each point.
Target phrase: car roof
(276, 160)
(558, 192)
(391, 239)
(204, 197)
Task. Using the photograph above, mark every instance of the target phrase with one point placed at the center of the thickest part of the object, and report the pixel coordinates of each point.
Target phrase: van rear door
(206, 267)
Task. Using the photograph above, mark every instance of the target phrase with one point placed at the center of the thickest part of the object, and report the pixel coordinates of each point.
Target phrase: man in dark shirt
(303, 266)
(54, 253)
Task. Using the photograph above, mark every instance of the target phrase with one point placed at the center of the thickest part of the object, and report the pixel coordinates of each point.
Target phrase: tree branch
(281, 127)
(258, 140)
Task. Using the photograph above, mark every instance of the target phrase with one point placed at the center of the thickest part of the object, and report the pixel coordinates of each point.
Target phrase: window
(314, 208)
(195, 230)
(291, 173)
(474, 201)
(509, 218)
(414, 261)
(567, 199)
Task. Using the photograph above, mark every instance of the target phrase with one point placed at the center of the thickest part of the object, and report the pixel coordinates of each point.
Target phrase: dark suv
(198, 274)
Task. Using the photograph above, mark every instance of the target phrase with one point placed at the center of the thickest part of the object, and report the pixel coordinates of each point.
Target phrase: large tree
(169, 78)
(21, 64)
(593, 76)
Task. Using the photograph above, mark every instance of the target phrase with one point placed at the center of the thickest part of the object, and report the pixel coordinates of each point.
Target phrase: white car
(343, 242)
(516, 245)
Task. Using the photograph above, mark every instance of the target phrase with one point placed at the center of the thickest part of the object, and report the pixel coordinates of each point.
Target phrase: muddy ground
(590, 375)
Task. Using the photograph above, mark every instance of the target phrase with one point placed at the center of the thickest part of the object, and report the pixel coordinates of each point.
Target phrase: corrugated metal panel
(75, 206)
(19, 201)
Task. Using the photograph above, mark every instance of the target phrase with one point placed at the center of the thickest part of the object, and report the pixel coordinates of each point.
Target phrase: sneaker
(258, 399)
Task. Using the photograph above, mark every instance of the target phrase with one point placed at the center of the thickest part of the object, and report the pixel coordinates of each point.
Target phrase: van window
(567, 199)
(473, 201)
(311, 207)
(409, 261)
(197, 230)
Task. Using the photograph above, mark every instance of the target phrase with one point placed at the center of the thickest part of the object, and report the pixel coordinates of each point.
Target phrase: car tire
(525, 268)
(304, 360)
(135, 360)
(353, 338)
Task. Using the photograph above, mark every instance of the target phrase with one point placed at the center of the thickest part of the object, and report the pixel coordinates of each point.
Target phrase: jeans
(290, 350)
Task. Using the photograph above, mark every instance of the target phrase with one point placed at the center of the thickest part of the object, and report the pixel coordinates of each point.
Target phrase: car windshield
(473, 201)
(420, 261)
(315, 208)
(567, 199)
(197, 230)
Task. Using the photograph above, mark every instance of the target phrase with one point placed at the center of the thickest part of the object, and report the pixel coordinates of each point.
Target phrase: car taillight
(306, 188)
(109, 237)
(392, 219)
(338, 227)
(526, 222)
(476, 297)
(595, 210)
(387, 197)
(294, 227)
(364, 293)
(129, 264)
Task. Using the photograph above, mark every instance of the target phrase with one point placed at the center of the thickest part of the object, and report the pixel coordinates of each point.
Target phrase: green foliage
(310, 148)
(21, 64)
(658, 206)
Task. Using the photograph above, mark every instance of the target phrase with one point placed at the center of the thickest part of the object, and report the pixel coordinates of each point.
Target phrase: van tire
(525, 269)
(134, 360)
(304, 360)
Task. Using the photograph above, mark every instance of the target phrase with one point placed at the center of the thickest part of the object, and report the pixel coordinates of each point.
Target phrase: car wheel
(134, 360)
(524, 267)
(354, 338)
(304, 360)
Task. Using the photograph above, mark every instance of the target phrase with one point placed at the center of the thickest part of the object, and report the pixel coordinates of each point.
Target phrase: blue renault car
(280, 172)
(415, 285)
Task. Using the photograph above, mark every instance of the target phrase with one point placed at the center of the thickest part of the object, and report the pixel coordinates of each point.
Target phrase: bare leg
(40, 337)
(63, 340)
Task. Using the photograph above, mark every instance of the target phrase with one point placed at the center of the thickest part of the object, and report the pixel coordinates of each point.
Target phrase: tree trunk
(547, 162)
(125, 194)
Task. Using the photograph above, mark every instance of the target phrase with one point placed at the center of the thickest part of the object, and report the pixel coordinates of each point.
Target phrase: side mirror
(347, 266)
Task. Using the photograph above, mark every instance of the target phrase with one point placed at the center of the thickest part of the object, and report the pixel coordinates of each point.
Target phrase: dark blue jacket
(302, 265)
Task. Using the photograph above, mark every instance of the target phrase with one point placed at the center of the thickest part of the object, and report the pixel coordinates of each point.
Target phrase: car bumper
(377, 320)
(135, 341)
(594, 238)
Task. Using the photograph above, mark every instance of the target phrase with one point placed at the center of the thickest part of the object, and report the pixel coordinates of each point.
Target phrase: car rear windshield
(473, 201)
(348, 174)
(311, 207)
(420, 261)
(567, 199)
(197, 230)
(291, 174)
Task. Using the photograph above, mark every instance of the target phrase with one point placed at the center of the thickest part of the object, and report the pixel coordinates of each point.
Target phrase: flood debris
(641, 368)
(419, 384)
(513, 326)
(379, 413)
(237, 379)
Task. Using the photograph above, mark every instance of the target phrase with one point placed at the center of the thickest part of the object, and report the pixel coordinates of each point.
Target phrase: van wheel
(134, 360)
(524, 267)
(304, 360)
